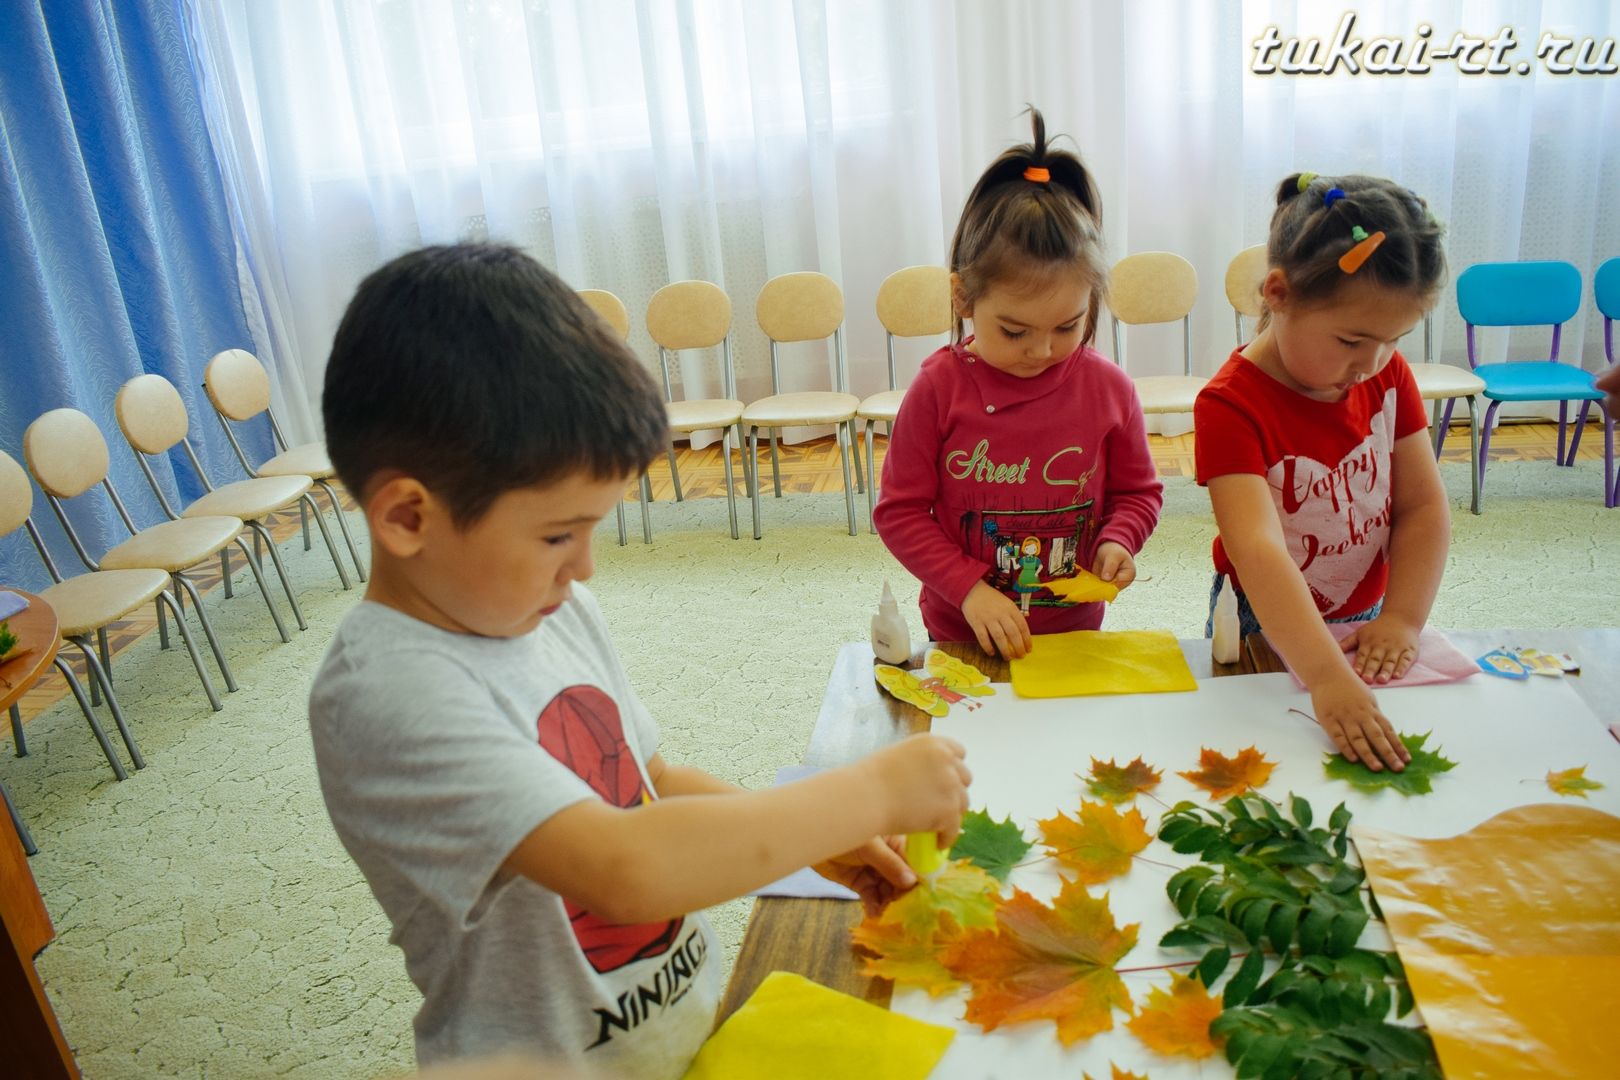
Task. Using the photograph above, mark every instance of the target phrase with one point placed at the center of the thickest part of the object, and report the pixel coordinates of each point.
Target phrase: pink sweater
(991, 477)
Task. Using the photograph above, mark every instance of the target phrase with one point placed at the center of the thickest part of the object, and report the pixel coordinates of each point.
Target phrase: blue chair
(1532, 294)
(1606, 287)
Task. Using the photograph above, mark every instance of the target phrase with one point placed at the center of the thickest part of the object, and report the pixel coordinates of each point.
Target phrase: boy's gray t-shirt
(438, 753)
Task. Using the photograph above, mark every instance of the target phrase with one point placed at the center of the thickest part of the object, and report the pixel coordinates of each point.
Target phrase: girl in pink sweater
(1019, 455)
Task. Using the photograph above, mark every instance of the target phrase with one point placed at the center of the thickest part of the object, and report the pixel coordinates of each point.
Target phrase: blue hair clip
(1332, 196)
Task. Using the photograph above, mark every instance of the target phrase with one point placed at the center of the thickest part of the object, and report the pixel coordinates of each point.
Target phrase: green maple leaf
(1120, 783)
(7, 639)
(993, 846)
(1413, 780)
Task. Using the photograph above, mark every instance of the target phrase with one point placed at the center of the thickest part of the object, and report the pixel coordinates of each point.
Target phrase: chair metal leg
(1473, 451)
(646, 509)
(29, 847)
(196, 657)
(343, 527)
(264, 590)
(99, 674)
(675, 475)
(731, 492)
(225, 570)
(303, 522)
(17, 736)
(1439, 435)
(841, 432)
(181, 582)
(1575, 437)
(753, 487)
(1611, 491)
(281, 571)
(163, 628)
(855, 457)
(106, 651)
(871, 481)
(90, 715)
(256, 553)
(776, 465)
(1485, 440)
(742, 446)
(326, 534)
(618, 510)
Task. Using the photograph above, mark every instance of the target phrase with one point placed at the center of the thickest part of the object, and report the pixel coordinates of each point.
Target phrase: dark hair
(1310, 232)
(1013, 227)
(477, 371)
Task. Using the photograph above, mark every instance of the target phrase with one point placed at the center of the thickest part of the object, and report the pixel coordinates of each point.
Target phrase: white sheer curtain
(630, 143)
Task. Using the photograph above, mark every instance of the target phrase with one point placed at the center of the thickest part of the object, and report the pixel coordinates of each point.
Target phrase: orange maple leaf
(1224, 777)
(1054, 963)
(910, 935)
(905, 957)
(1177, 1022)
(1120, 1074)
(1099, 845)
(1120, 783)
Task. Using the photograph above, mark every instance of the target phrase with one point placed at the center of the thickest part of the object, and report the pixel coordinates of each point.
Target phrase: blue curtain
(116, 252)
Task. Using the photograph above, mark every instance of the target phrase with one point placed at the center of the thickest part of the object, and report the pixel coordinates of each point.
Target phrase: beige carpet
(210, 925)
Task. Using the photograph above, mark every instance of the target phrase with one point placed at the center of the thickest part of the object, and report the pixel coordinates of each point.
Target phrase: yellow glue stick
(923, 854)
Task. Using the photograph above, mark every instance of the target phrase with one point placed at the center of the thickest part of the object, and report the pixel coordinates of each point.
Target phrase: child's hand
(1347, 711)
(1113, 563)
(1385, 648)
(923, 784)
(876, 870)
(996, 621)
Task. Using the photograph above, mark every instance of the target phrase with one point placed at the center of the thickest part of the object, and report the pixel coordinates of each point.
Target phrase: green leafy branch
(8, 640)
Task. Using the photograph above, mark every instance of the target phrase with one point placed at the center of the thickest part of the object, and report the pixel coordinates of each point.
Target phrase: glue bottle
(1223, 646)
(891, 641)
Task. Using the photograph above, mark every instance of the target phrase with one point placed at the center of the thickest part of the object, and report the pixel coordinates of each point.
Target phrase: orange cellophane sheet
(1510, 934)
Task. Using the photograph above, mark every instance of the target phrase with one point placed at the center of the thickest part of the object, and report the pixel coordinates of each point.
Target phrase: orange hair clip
(1351, 260)
(1038, 173)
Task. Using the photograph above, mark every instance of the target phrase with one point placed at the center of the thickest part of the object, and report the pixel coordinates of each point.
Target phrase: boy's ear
(959, 300)
(1274, 289)
(398, 513)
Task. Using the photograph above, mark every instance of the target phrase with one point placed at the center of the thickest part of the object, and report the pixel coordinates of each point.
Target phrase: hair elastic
(1304, 181)
(1351, 260)
(1331, 196)
(1038, 173)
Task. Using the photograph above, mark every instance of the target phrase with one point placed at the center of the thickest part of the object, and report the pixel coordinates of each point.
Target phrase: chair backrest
(66, 453)
(16, 497)
(610, 307)
(802, 306)
(237, 385)
(691, 315)
(1518, 294)
(1152, 287)
(1606, 289)
(151, 414)
(914, 302)
(1244, 275)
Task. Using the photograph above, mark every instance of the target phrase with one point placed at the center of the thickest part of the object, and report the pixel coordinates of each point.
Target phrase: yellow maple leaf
(905, 957)
(1120, 1074)
(1177, 1022)
(907, 939)
(1100, 844)
(1046, 962)
(1224, 776)
(1571, 782)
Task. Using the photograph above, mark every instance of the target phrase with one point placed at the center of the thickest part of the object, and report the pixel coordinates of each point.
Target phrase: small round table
(38, 637)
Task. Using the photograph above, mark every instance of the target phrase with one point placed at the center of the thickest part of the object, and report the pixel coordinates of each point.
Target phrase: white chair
(617, 316)
(1157, 287)
(1244, 275)
(697, 315)
(914, 302)
(1445, 383)
(239, 390)
(802, 306)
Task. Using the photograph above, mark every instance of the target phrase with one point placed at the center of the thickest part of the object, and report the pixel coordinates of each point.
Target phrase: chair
(153, 419)
(697, 315)
(802, 306)
(1244, 275)
(239, 390)
(914, 302)
(616, 315)
(1606, 291)
(1157, 287)
(1446, 383)
(1532, 294)
(87, 604)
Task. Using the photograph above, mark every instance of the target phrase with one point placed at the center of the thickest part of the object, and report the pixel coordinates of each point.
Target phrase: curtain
(630, 143)
(118, 252)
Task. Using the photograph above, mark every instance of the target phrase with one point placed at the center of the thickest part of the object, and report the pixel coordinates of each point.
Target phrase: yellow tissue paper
(1102, 662)
(794, 1029)
(1083, 588)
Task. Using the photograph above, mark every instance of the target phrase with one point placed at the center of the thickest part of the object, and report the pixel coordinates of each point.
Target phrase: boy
(481, 753)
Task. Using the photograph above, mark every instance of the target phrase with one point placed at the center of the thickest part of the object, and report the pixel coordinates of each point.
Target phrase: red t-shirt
(1328, 465)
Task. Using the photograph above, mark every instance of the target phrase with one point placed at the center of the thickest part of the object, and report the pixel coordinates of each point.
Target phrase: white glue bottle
(1223, 646)
(891, 641)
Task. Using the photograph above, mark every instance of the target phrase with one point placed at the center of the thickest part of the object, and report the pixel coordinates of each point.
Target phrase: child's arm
(712, 843)
(1420, 534)
(1253, 538)
(1133, 495)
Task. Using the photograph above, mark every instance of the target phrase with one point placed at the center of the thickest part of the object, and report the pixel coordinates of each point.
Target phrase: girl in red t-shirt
(1314, 447)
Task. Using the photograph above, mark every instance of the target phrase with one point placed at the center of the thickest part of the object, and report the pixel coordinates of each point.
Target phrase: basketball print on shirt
(581, 727)
(1336, 518)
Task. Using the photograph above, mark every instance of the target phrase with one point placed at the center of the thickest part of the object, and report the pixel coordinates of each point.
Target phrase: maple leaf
(904, 957)
(1100, 844)
(908, 938)
(1571, 782)
(1054, 963)
(1412, 780)
(1120, 1074)
(1224, 777)
(1177, 1022)
(1120, 783)
(994, 846)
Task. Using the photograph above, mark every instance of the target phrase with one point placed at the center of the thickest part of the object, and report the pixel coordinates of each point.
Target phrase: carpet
(210, 925)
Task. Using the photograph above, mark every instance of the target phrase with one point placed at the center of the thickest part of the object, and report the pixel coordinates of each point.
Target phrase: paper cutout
(993, 846)
(1503, 663)
(1438, 659)
(1054, 963)
(1085, 662)
(1224, 777)
(1523, 906)
(1412, 780)
(1177, 1021)
(1120, 783)
(1099, 845)
(949, 681)
(1572, 782)
(1084, 588)
(793, 1029)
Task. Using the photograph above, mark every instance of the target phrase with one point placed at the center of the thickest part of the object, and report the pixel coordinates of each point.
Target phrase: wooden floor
(807, 467)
